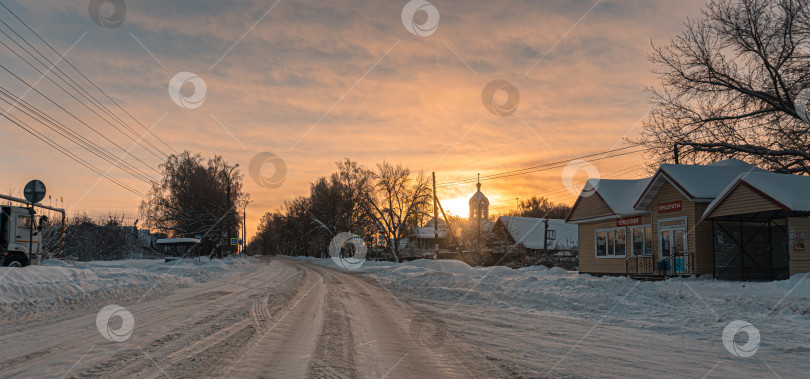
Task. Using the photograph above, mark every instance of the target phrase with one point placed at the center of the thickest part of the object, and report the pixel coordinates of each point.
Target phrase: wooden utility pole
(675, 150)
(450, 230)
(435, 218)
(244, 228)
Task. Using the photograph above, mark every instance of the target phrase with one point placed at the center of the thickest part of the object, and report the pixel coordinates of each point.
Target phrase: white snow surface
(56, 286)
(682, 306)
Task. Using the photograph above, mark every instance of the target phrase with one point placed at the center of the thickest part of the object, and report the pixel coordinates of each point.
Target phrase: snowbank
(31, 292)
(661, 306)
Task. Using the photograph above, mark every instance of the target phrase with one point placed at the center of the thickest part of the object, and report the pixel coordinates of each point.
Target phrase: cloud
(322, 67)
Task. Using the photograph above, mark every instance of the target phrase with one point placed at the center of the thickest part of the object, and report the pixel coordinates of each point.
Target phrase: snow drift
(57, 287)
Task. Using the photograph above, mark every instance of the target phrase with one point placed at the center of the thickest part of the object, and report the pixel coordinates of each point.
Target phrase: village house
(424, 237)
(531, 233)
(657, 226)
(759, 224)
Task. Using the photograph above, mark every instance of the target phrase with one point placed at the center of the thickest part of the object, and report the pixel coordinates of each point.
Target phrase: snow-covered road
(282, 319)
(291, 318)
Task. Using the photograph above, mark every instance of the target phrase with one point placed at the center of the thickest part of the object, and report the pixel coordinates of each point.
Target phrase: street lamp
(228, 201)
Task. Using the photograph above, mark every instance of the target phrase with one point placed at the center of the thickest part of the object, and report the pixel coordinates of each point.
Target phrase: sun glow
(457, 207)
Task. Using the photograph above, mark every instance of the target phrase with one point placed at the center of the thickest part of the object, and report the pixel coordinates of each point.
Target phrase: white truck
(20, 236)
(21, 233)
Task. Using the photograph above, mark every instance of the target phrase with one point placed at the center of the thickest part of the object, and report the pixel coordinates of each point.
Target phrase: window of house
(601, 244)
(621, 242)
(642, 240)
(611, 243)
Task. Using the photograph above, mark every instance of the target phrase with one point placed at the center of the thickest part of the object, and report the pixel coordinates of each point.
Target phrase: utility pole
(244, 228)
(545, 235)
(227, 203)
(675, 150)
(435, 219)
(478, 214)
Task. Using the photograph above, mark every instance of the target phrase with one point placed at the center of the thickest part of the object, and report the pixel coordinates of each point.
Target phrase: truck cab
(19, 233)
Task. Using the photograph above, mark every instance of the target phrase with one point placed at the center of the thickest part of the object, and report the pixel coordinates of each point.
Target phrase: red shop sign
(669, 207)
(628, 221)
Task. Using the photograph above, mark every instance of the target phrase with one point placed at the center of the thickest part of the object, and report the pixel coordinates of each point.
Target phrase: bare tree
(354, 199)
(191, 200)
(541, 207)
(397, 201)
(735, 84)
(104, 238)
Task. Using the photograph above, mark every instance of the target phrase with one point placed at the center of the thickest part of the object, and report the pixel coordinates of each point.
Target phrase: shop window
(611, 243)
(642, 240)
(620, 242)
(601, 244)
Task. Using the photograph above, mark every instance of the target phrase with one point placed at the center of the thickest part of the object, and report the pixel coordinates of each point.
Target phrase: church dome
(479, 197)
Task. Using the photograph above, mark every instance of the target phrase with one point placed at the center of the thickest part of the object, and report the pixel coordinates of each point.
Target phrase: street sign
(234, 241)
(34, 191)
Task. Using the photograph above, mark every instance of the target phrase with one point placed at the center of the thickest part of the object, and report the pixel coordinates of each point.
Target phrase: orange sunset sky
(315, 82)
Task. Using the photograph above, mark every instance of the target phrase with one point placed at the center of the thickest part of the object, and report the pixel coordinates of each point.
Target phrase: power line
(51, 123)
(22, 125)
(500, 206)
(546, 166)
(534, 168)
(625, 170)
(50, 70)
(148, 130)
(57, 127)
(606, 176)
(74, 116)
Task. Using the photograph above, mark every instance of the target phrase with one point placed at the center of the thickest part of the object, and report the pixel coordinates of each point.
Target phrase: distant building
(425, 236)
(530, 233)
(479, 205)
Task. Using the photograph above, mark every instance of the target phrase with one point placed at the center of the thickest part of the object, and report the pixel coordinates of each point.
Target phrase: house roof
(789, 192)
(619, 194)
(696, 182)
(427, 232)
(429, 224)
(529, 232)
(178, 241)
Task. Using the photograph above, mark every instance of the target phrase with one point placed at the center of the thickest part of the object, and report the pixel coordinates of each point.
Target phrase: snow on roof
(696, 182)
(790, 191)
(529, 232)
(619, 194)
(427, 232)
(429, 224)
(169, 241)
